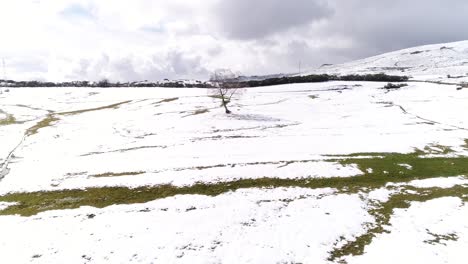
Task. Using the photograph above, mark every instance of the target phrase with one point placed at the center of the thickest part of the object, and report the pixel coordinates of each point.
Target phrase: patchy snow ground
(274, 132)
(71, 138)
(251, 226)
(432, 232)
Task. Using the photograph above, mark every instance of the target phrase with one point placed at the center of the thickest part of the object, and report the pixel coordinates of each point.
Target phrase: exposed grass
(53, 117)
(435, 149)
(378, 168)
(388, 167)
(441, 238)
(168, 100)
(123, 150)
(112, 106)
(385, 169)
(383, 214)
(8, 120)
(33, 108)
(111, 174)
(313, 96)
(46, 122)
(198, 112)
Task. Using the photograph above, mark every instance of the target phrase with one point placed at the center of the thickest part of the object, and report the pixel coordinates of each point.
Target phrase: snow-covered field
(299, 173)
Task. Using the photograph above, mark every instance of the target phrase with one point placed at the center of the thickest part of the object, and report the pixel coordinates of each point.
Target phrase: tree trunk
(225, 107)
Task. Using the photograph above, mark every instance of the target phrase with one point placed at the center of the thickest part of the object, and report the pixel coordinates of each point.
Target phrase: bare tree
(103, 83)
(226, 85)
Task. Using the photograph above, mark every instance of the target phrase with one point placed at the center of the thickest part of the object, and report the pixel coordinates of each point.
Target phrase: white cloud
(155, 39)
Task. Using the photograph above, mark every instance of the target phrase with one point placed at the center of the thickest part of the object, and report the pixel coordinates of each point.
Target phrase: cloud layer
(155, 39)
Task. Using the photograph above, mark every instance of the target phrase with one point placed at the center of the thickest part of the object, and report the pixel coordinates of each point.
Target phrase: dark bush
(103, 83)
(390, 86)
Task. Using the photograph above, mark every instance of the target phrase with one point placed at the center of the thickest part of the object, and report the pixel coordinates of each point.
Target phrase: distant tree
(103, 83)
(225, 85)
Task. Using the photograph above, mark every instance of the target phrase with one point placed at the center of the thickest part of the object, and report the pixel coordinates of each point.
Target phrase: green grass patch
(8, 120)
(53, 117)
(434, 149)
(111, 174)
(112, 106)
(381, 168)
(395, 167)
(378, 168)
(384, 212)
(385, 170)
(46, 122)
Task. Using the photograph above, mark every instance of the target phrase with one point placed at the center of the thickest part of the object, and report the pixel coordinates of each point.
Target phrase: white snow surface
(4, 205)
(440, 182)
(145, 137)
(249, 226)
(274, 132)
(424, 63)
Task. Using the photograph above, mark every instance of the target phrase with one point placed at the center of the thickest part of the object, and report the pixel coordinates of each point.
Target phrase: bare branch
(227, 85)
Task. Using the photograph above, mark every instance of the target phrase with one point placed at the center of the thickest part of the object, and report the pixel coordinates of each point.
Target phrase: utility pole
(4, 69)
(300, 64)
(4, 78)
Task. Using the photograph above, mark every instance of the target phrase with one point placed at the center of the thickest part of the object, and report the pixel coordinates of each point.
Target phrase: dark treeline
(381, 77)
(103, 84)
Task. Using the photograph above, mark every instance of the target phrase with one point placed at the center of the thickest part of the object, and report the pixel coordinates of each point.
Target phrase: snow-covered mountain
(429, 63)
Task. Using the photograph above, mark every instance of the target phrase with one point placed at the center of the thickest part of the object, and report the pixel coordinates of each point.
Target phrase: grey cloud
(183, 65)
(301, 54)
(382, 26)
(352, 29)
(369, 27)
(247, 19)
(215, 51)
(173, 65)
(266, 36)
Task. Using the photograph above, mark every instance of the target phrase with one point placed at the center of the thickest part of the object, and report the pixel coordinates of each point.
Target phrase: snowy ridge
(428, 63)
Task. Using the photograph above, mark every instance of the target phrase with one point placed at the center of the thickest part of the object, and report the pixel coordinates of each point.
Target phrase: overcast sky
(128, 40)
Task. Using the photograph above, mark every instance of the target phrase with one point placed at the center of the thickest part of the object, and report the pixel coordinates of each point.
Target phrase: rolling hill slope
(428, 63)
(333, 172)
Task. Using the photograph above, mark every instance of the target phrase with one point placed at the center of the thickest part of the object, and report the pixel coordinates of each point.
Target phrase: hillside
(332, 172)
(428, 63)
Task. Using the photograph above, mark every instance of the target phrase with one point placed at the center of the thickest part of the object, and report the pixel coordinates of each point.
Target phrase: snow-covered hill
(431, 62)
(334, 172)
